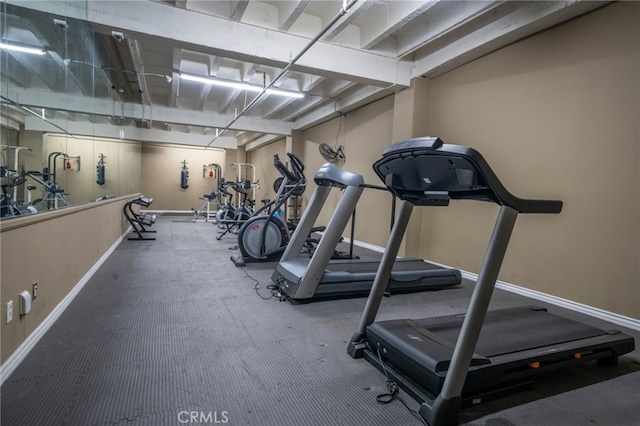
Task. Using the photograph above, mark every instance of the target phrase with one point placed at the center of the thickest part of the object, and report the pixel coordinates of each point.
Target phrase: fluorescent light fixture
(239, 86)
(22, 49)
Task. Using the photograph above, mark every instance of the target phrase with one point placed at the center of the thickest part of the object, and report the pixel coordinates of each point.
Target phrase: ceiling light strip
(22, 49)
(239, 86)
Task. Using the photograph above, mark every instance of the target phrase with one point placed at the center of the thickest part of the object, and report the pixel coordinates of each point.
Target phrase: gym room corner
(336, 212)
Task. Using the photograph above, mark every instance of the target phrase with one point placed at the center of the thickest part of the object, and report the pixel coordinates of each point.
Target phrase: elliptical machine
(263, 237)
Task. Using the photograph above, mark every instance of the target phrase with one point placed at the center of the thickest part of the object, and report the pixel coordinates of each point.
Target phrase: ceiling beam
(520, 22)
(397, 15)
(346, 103)
(333, 93)
(261, 141)
(356, 10)
(443, 18)
(275, 107)
(153, 20)
(80, 128)
(290, 12)
(106, 107)
(239, 9)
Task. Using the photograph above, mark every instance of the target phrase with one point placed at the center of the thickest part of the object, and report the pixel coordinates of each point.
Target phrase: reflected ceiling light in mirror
(239, 85)
(23, 49)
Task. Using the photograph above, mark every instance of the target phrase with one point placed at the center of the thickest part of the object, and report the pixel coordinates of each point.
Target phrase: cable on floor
(393, 392)
(274, 290)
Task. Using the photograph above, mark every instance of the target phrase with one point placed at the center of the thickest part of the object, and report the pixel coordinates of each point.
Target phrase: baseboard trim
(612, 317)
(608, 316)
(23, 350)
(169, 212)
(364, 245)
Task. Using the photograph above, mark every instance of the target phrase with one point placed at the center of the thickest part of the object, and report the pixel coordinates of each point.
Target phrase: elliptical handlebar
(297, 165)
(284, 171)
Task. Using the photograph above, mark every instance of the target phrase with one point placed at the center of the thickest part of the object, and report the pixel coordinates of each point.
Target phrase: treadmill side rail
(330, 239)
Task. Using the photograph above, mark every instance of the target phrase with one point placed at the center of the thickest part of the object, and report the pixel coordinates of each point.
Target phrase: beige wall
(231, 156)
(56, 250)
(262, 159)
(161, 168)
(556, 116)
(364, 134)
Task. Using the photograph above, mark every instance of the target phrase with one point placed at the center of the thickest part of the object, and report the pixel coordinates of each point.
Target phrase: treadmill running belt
(505, 332)
(363, 266)
(530, 329)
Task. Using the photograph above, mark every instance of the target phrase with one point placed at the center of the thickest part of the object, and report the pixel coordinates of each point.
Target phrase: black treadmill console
(428, 143)
(426, 171)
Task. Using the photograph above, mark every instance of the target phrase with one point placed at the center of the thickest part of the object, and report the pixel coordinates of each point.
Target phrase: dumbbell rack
(138, 221)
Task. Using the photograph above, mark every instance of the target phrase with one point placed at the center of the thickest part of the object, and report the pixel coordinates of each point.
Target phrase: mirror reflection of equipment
(100, 171)
(184, 175)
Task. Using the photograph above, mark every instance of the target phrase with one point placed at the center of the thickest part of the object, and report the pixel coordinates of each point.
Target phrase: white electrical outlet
(9, 311)
(24, 300)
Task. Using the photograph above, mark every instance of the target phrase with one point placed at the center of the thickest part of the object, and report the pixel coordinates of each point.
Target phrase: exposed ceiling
(113, 68)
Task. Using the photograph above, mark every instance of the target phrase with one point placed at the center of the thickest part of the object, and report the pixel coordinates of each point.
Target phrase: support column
(410, 119)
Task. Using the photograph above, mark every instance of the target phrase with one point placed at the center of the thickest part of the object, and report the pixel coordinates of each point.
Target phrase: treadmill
(306, 279)
(449, 362)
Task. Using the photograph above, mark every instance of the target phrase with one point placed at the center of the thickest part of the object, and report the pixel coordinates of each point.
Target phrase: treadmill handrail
(331, 175)
(481, 183)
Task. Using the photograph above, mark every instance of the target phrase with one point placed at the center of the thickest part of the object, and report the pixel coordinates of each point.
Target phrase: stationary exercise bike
(263, 237)
(226, 210)
(230, 218)
(9, 207)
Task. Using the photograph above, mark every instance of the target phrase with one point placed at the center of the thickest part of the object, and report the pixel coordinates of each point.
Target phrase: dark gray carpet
(171, 332)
